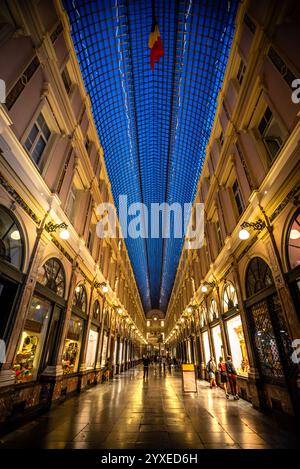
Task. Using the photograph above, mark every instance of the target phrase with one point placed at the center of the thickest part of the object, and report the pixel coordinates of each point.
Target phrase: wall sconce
(258, 225)
(63, 227)
(101, 285)
(205, 286)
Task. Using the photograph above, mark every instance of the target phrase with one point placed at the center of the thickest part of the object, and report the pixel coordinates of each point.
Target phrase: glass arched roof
(153, 125)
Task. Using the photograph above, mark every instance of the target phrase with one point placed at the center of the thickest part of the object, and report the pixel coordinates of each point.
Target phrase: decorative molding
(247, 248)
(11, 191)
(62, 250)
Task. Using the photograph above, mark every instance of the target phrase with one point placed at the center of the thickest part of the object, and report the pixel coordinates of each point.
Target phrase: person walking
(107, 370)
(232, 377)
(146, 366)
(211, 369)
(223, 375)
(164, 363)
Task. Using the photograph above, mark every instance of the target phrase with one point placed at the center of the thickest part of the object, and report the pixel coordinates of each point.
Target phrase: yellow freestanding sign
(189, 382)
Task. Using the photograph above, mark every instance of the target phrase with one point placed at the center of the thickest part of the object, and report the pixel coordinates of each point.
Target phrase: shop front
(271, 341)
(93, 338)
(235, 339)
(104, 345)
(206, 350)
(38, 340)
(76, 327)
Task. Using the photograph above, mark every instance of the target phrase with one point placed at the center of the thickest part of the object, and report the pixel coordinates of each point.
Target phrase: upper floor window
(148, 323)
(66, 79)
(219, 235)
(258, 277)
(238, 197)
(249, 23)
(87, 143)
(71, 203)
(241, 72)
(271, 134)
(37, 139)
(221, 138)
(90, 241)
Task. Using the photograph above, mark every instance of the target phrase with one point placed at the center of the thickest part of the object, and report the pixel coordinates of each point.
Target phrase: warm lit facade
(241, 297)
(70, 301)
(58, 321)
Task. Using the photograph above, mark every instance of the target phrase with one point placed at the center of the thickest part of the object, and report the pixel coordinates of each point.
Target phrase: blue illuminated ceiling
(153, 125)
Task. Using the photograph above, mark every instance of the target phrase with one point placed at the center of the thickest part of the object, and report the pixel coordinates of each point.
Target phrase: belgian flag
(155, 42)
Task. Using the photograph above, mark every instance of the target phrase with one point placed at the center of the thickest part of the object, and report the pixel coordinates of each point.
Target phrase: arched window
(96, 311)
(80, 298)
(11, 239)
(106, 320)
(203, 316)
(293, 241)
(259, 276)
(213, 311)
(229, 297)
(53, 276)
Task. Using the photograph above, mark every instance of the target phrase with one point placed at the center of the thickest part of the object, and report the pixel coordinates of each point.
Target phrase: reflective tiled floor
(131, 413)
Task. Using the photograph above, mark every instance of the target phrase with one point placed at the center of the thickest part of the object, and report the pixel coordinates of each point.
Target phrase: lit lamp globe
(204, 288)
(294, 234)
(104, 288)
(15, 235)
(244, 234)
(64, 234)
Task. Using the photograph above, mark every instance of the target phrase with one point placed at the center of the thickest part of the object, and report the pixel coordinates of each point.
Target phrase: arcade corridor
(149, 210)
(132, 413)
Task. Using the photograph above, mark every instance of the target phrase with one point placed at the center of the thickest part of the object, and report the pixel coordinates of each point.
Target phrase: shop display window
(72, 346)
(104, 349)
(120, 352)
(206, 346)
(238, 345)
(217, 340)
(92, 348)
(115, 353)
(32, 340)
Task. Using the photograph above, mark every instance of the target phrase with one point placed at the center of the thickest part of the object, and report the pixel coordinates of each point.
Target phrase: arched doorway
(269, 332)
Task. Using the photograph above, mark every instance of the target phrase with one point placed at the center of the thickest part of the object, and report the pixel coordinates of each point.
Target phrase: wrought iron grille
(265, 341)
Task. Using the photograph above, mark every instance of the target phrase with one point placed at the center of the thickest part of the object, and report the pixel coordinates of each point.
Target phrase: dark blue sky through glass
(153, 125)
